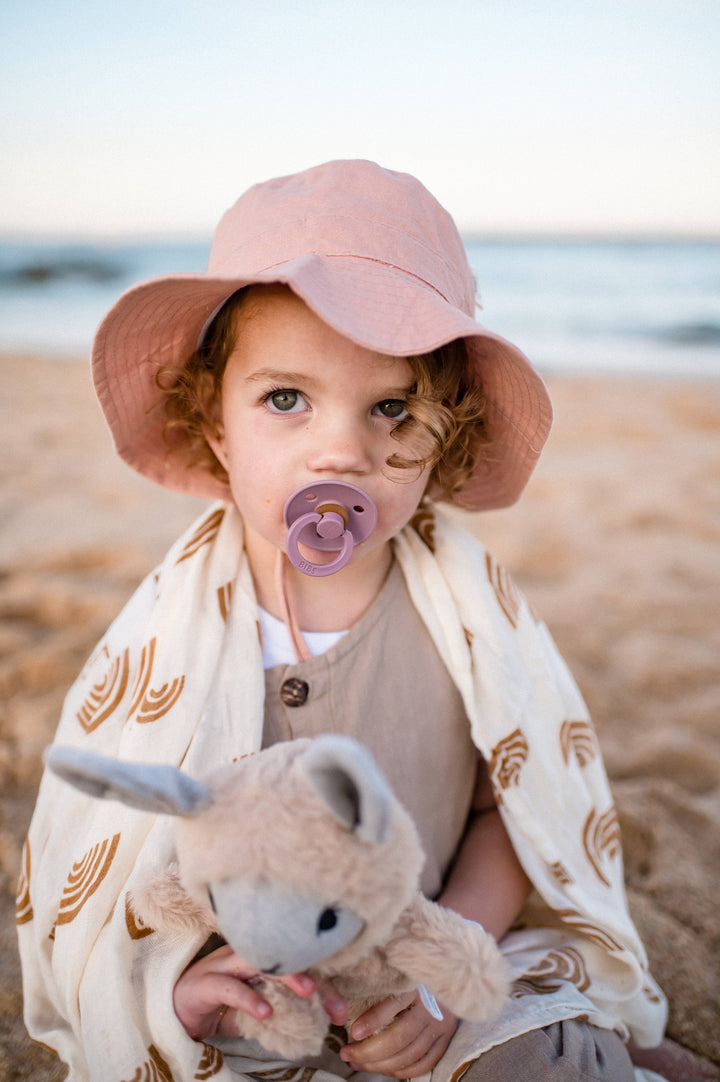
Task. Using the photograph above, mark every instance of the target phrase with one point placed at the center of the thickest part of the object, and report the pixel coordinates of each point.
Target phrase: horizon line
(469, 236)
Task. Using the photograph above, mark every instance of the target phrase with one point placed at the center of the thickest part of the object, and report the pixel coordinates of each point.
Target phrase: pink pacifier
(332, 516)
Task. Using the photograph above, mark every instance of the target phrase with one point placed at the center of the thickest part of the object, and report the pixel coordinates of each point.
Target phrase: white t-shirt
(277, 645)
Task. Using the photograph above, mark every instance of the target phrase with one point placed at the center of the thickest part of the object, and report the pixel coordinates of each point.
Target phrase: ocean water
(574, 306)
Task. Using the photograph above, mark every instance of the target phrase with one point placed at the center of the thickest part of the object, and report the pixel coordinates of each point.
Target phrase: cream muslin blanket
(179, 678)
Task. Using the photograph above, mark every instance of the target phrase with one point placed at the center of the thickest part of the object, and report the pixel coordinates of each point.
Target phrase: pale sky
(148, 117)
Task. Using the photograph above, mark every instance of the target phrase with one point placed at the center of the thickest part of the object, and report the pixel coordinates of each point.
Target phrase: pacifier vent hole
(358, 508)
(310, 496)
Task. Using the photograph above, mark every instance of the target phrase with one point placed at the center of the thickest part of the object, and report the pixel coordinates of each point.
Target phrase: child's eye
(285, 401)
(394, 408)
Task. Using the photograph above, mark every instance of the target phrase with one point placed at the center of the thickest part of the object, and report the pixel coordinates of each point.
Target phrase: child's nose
(340, 447)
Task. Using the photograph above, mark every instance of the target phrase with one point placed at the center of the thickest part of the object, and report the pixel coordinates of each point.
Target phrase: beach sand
(616, 543)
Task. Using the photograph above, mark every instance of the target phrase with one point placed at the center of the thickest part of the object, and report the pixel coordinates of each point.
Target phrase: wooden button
(294, 692)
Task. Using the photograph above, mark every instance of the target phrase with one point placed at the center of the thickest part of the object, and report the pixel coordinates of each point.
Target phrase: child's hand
(216, 982)
(399, 1037)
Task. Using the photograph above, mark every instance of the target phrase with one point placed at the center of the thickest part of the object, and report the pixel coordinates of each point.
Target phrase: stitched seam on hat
(418, 239)
(366, 259)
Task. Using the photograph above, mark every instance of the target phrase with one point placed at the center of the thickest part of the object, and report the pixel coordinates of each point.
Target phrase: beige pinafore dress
(385, 684)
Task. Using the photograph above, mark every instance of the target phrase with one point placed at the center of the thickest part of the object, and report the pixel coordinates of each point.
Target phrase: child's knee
(568, 1051)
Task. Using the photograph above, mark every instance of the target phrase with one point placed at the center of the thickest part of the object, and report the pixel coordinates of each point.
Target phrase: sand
(616, 543)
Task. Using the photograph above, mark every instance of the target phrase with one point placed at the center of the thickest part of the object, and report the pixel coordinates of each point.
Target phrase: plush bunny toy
(302, 858)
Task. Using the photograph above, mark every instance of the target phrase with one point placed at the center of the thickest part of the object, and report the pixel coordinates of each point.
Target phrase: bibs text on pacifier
(331, 516)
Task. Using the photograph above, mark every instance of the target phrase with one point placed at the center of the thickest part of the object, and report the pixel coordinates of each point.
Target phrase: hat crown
(352, 209)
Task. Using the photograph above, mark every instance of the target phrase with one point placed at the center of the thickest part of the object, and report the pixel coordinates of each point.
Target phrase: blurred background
(576, 144)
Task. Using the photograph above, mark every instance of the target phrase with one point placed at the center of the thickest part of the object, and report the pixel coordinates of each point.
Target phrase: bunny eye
(327, 920)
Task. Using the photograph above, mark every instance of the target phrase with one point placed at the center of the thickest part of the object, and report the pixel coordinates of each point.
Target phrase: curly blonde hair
(444, 429)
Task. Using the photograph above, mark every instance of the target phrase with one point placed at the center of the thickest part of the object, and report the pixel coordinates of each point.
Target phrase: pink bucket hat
(375, 256)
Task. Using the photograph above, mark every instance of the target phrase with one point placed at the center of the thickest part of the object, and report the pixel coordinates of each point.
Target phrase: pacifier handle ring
(306, 566)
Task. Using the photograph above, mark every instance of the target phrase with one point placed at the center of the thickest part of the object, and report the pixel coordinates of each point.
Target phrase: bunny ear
(153, 787)
(350, 783)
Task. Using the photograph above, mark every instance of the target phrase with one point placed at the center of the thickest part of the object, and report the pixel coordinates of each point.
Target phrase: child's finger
(406, 1059)
(302, 984)
(224, 959)
(383, 1048)
(381, 1015)
(236, 994)
(204, 994)
(333, 1003)
(407, 1067)
(410, 1045)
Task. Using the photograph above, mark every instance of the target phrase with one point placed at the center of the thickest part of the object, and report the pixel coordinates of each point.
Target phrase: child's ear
(213, 428)
(215, 436)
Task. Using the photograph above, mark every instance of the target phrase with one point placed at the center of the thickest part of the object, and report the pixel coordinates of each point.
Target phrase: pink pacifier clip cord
(299, 645)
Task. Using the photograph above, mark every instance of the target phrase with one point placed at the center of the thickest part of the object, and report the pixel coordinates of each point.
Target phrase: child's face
(301, 403)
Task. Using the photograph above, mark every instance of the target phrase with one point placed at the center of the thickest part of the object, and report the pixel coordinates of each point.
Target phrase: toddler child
(333, 340)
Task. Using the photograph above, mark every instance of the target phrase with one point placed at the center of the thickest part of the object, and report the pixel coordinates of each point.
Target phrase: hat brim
(159, 322)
